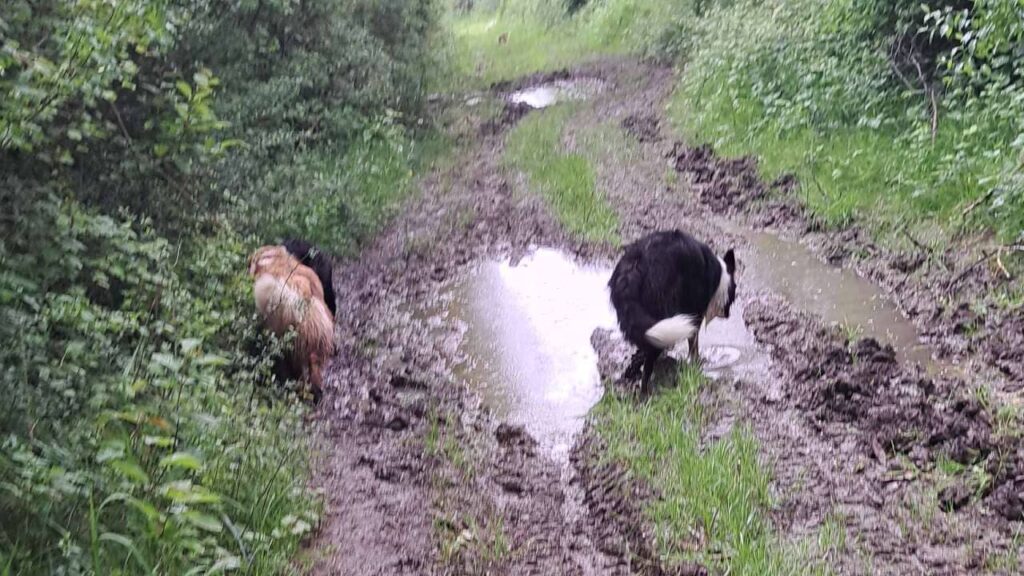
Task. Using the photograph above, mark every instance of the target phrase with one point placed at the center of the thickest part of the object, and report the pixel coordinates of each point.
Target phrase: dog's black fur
(321, 262)
(662, 275)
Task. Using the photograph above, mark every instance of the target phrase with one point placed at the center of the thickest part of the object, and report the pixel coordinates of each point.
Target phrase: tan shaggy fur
(289, 296)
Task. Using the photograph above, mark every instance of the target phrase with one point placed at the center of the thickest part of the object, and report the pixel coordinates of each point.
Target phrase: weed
(566, 181)
(1011, 560)
(851, 331)
(832, 536)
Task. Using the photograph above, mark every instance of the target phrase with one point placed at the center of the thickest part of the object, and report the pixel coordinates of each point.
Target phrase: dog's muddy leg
(649, 361)
(633, 370)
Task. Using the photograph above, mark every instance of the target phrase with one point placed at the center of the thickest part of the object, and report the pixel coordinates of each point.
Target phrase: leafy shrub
(872, 104)
(134, 408)
(145, 148)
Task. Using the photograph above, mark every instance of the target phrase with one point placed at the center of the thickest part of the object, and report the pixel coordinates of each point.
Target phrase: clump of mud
(726, 185)
(509, 117)
(894, 409)
(645, 127)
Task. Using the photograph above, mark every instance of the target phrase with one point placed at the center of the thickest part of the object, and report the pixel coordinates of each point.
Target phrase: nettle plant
(983, 74)
(139, 435)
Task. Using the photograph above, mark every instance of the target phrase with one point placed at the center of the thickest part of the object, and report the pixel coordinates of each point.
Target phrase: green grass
(714, 497)
(565, 180)
(532, 47)
(851, 173)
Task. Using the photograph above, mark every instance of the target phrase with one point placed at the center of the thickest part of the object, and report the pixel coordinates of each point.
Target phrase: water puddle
(528, 328)
(528, 342)
(548, 94)
(837, 295)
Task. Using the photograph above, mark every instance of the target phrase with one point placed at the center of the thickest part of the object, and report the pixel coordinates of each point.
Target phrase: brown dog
(289, 296)
(503, 39)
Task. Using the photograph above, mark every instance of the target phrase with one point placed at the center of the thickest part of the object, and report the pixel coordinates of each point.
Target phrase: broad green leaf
(159, 441)
(131, 471)
(190, 344)
(204, 521)
(184, 88)
(111, 450)
(212, 360)
(181, 460)
(168, 361)
(184, 492)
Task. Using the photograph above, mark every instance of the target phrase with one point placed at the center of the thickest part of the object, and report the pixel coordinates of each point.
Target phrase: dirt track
(421, 479)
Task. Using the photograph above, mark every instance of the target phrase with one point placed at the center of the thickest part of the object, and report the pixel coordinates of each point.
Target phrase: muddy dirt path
(422, 475)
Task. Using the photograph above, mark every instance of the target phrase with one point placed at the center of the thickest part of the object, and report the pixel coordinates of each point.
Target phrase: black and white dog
(321, 262)
(665, 286)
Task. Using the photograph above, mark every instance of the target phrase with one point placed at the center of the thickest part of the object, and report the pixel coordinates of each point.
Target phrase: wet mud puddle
(527, 340)
(550, 93)
(837, 295)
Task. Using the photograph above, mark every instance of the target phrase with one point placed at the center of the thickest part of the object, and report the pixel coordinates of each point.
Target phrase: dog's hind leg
(649, 361)
(695, 350)
(635, 364)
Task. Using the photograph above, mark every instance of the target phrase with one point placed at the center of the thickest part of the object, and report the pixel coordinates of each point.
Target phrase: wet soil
(423, 476)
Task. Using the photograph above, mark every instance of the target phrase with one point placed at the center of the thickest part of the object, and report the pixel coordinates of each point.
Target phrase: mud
(904, 411)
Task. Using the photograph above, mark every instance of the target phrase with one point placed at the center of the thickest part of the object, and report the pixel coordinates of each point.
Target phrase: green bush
(146, 147)
(885, 111)
(134, 406)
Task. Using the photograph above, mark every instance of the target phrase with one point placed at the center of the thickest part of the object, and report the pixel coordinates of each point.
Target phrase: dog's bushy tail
(671, 331)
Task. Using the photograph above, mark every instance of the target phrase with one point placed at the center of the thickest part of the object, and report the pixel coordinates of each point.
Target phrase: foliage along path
(873, 464)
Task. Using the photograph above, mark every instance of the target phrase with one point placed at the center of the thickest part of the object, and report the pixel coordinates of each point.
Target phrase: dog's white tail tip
(671, 331)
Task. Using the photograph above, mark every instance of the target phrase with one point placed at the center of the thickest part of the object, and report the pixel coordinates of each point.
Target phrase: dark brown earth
(420, 478)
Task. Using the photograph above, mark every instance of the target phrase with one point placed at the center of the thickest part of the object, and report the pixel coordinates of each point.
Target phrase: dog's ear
(730, 262)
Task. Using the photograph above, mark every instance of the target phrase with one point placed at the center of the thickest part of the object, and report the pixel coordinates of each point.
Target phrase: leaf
(159, 441)
(131, 471)
(147, 509)
(184, 88)
(204, 521)
(225, 564)
(181, 460)
(183, 492)
(212, 360)
(168, 361)
(190, 344)
(112, 450)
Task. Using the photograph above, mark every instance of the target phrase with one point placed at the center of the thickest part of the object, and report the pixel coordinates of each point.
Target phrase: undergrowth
(929, 138)
(146, 148)
(566, 180)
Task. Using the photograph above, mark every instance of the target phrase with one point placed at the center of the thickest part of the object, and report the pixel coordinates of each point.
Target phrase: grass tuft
(566, 180)
(714, 496)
